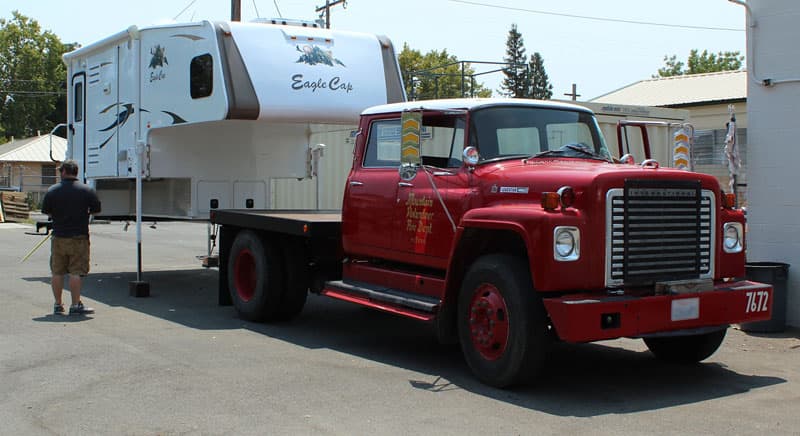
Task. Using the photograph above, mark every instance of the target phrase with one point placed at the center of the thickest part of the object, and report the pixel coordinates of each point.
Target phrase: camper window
(200, 72)
(78, 110)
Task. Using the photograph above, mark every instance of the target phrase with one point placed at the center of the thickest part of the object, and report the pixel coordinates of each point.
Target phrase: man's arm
(94, 204)
(46, 206)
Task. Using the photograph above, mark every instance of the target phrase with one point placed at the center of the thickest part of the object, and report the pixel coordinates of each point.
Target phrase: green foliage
(672, 67)
(32, 77)
(524, 79)
(517, 81)
(437, 74)
(541, 88)
(701, 63)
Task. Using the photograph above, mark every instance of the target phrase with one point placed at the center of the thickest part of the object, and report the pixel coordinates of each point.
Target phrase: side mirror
(408, 171)
(471, 156)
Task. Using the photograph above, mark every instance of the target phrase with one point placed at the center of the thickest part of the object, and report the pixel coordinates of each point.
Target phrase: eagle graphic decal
(313, 55)
(159, 58)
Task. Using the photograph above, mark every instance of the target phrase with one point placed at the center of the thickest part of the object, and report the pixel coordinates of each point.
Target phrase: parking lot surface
(177, 363)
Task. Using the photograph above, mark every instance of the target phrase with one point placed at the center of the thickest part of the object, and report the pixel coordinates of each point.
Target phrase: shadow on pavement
(582, 380)
(62, 318)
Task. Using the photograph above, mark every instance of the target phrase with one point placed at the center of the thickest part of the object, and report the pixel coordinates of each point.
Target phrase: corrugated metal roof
(681, 90)
(36, 149)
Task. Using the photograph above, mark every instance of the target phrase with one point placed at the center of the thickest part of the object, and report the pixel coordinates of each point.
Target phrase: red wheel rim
(244, 275)
(488, 322)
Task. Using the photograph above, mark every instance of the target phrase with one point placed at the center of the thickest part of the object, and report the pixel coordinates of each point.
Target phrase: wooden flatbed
(306, 223)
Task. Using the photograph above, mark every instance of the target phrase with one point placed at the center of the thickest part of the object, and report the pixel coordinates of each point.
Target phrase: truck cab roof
(469, 104)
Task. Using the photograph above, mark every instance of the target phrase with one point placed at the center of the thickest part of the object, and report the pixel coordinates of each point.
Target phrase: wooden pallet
(14, 207)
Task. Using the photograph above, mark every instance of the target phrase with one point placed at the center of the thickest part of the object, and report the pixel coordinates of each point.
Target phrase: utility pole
(574, 94)
(327, 8)
(236, 10)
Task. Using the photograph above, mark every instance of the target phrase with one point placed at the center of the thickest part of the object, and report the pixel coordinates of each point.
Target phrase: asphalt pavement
(177, 363)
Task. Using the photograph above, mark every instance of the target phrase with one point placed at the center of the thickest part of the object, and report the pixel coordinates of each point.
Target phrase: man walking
(69, 204)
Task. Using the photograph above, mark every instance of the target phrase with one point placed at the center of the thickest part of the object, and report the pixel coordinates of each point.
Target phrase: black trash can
(776, 274)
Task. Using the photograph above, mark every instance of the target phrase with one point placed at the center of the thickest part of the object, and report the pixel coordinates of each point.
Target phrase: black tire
(297, 281)
(502, 322)
(686, 349)
(255, 277)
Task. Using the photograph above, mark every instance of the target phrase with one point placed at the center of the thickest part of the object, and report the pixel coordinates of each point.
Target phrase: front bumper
(592, 317)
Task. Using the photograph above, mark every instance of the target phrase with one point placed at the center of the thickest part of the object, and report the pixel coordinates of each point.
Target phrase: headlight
(566, 244)
(732, 237)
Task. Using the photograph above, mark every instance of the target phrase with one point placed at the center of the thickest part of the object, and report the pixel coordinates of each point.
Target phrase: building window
(49, 175)
(201, 76)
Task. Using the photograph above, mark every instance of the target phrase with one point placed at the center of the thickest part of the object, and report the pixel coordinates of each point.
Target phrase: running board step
(380, 297)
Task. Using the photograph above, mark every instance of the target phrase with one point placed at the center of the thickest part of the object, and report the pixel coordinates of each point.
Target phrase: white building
(773, 106)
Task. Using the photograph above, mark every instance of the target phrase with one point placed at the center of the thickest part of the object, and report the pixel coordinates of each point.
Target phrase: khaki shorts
(69, 255)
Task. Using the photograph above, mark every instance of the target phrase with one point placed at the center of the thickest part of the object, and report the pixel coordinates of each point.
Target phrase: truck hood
(525, 179)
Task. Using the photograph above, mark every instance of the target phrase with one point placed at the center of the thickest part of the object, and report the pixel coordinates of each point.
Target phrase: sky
(599, 45)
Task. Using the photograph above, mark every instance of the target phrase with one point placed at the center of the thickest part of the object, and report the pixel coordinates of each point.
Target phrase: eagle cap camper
(223, 107)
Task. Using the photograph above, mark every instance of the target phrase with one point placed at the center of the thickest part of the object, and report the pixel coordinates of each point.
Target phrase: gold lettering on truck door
(419, 220)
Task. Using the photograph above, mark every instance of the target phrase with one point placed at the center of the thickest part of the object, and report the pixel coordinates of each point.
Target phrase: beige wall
(715, 116)
(25, 176)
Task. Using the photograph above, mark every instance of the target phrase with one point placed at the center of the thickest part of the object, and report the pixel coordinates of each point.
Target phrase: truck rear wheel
(502, 322)
(255, 277)
(686, 349)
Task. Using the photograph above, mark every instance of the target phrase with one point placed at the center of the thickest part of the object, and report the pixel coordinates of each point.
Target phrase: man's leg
(79, 267)
(57, 283)
(75, 288)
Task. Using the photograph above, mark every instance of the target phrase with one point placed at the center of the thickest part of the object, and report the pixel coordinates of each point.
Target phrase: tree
(32, 76)
(438, 74)
(672, 67)
(541, 88)
(517, 82)
(701, 63)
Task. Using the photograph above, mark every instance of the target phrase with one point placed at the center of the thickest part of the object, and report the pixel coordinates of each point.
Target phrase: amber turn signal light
(550, 200)
(728, 201)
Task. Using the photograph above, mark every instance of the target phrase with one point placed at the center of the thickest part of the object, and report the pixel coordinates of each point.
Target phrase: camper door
(104, 113)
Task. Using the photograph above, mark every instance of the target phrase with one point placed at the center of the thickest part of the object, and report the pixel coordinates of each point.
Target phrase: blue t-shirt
(69, 204)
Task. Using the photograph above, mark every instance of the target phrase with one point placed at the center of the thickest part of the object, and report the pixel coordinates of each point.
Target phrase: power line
(12, 92)
(183, 10)
(586, 17)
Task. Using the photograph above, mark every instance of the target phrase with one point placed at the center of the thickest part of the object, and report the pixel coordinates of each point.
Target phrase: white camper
(219, 109)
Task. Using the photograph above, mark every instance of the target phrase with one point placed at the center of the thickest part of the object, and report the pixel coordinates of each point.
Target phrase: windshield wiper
(570, 150)
(580, 149)
(547, 153)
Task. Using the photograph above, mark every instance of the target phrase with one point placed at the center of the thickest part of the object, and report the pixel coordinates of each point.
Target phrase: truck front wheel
(255, 277)
(502, 322)
(686, 349)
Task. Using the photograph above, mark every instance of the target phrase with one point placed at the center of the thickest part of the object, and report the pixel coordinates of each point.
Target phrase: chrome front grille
(658, 231)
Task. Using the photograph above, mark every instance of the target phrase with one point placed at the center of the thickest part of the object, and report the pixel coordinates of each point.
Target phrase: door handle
(356, 183)
(405, 184)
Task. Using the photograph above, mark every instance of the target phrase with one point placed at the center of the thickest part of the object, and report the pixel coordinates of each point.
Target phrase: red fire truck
(507, 225)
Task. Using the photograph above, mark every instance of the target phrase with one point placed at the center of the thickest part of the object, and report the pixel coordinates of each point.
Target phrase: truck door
(429, 206)
(77, 125)
(371, 191)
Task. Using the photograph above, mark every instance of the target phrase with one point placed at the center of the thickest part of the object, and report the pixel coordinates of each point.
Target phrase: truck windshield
(525, 131)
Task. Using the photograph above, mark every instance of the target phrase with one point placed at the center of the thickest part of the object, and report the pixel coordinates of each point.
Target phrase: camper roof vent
(286, 22)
